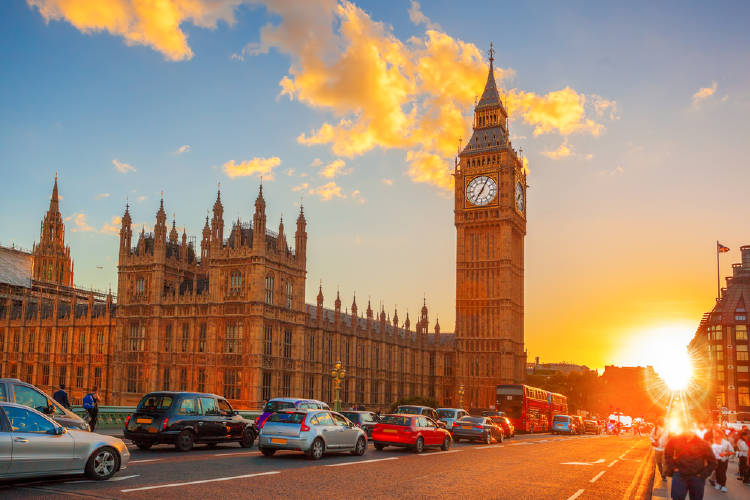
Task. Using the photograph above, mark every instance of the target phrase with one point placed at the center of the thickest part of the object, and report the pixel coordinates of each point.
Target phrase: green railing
(112, 417)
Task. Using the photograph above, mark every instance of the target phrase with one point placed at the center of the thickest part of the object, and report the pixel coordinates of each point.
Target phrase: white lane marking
(143, 461)
(123, 478)
(613, 463)
(597, 477)
(519, 444)
(202, 481)
(237, 453)
(490, 446)
(437, 453)
(79, 481)
(575, 495)
(363, 461)
(601, 460)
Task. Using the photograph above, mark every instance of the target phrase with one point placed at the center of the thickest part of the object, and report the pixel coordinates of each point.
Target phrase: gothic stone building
(233, 320)
(50, 331)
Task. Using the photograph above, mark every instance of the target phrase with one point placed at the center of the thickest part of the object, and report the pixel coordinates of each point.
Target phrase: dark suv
(365, 420)
(186, 418)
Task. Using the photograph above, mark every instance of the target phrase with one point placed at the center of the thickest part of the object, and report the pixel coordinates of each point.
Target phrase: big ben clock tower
(490, 218)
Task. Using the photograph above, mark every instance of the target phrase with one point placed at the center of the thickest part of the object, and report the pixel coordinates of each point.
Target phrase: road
(529, 466)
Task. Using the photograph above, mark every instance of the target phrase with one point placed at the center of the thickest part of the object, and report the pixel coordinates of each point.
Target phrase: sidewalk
(737, 490)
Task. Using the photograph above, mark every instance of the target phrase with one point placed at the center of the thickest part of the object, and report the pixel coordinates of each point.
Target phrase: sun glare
(664, 348)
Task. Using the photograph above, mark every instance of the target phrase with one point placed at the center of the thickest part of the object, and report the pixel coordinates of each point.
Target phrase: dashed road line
(613, 463)
(144, 461)
(362, 462)
(488, 446)
(575, 495)
(237, 453)
(438, 453)
(202, 481)
(597, 477)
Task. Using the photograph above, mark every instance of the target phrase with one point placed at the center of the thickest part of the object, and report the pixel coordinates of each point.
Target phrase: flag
(721, 248)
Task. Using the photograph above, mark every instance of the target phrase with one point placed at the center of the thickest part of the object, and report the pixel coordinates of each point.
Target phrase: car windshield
(287, 418)
(560, 418)
(447, 413)
(273, 406)
(396, 420)
(473, 420)
(354, 417)
(409, 410)
(155, 402)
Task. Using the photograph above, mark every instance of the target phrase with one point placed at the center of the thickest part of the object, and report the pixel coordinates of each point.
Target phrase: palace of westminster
(232, 319)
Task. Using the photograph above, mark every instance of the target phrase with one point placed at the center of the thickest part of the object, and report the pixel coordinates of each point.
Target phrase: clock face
(519, 196)
(481, 190)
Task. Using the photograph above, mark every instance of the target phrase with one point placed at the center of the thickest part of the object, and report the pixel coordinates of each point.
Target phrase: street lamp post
(338, 374)
(461, 396)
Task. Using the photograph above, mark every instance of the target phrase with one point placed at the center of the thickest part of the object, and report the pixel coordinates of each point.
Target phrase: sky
(632, 119)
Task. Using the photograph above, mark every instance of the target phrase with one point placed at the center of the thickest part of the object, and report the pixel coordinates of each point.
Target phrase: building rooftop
(15, 267)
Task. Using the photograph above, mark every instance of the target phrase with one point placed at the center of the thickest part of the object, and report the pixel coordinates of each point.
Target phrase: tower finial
(492, 53)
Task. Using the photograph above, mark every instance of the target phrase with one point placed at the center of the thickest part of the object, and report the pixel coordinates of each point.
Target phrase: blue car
(278, 404)
(563, 424)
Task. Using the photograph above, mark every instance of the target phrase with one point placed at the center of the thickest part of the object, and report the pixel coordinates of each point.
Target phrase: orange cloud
(336, 167)
(123, 167)
(80, 221)
(704, 93)
(563, 151)
(141, 22)
(112, 227)
(413, 95)
(257, 166)
(328, 191)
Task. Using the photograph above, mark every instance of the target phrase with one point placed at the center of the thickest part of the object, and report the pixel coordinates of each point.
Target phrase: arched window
(235, 282)
(289, 294)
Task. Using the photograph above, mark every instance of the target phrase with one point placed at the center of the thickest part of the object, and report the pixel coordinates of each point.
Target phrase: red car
(410, 431)
(505, 423)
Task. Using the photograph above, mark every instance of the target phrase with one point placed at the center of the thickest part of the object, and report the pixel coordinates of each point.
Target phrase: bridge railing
(112, 417)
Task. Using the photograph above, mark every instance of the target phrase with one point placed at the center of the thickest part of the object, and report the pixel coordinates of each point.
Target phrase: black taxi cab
(187, 418)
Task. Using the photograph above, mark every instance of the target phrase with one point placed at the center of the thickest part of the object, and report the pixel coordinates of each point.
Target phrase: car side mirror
(57, 431)
(235, 412)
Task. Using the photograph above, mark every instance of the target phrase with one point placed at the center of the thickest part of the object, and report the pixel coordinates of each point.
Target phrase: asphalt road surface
(539, 466)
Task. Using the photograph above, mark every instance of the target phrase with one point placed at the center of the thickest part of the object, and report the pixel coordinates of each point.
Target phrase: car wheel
(419, 447)
(446, 444)
(500, 437)
(316, 450)
(184, 441)
(487, 438)
(144, 445)
(248, 438)
(360, 448)
(103, 463)
(379, 446)
(267, 452)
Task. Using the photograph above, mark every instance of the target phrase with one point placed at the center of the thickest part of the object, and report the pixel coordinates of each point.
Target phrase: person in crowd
(659, 438)
(688, 460)
(742, 453)
(91, 405)
(61, 396)
(722, 450)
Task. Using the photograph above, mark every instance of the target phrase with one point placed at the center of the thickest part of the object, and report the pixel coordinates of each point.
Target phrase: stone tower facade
(52, 261)
(490, 219)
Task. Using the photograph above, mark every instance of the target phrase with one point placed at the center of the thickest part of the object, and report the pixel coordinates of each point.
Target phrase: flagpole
(718, 280)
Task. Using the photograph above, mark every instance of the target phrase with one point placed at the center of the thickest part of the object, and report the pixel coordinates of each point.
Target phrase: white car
(32, 445)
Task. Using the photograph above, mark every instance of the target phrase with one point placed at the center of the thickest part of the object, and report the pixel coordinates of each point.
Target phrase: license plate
(142, 420)
(390, 431)
(278, 440)
(466, 427)
(153, 430)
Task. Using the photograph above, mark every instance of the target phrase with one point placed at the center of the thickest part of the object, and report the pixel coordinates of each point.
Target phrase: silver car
(32, 444)
(314, 432)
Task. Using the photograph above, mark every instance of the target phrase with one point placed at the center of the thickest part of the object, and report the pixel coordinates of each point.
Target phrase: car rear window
(273, 406)
(287, 418)
(155, 402)
(409, 410)
(561, 418)
(447, 413)
(474, 420)
(354, 417)
(396, 420)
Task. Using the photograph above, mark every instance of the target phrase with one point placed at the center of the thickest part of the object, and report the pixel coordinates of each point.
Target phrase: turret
(319, 311)
(369, 315)
(337, 308)
(437, 326)
(407, 322)
(395, 318)
(160, 229)
(259, 222)
(281, 240)
(354, 306)
(300, 238)
(206, 241)
(217, 223)
(126, 232)
(173, 232)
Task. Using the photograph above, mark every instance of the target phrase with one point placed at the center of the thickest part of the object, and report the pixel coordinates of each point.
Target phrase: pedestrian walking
(91, 405)
(659, 438)
(61, 396)
(688, 460)
(722, 450)
(742, 453)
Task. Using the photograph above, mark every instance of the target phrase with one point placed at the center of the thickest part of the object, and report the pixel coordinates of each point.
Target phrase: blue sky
(621, 221)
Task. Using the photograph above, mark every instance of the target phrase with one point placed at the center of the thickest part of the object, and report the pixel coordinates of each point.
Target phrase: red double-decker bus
(529, 408)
